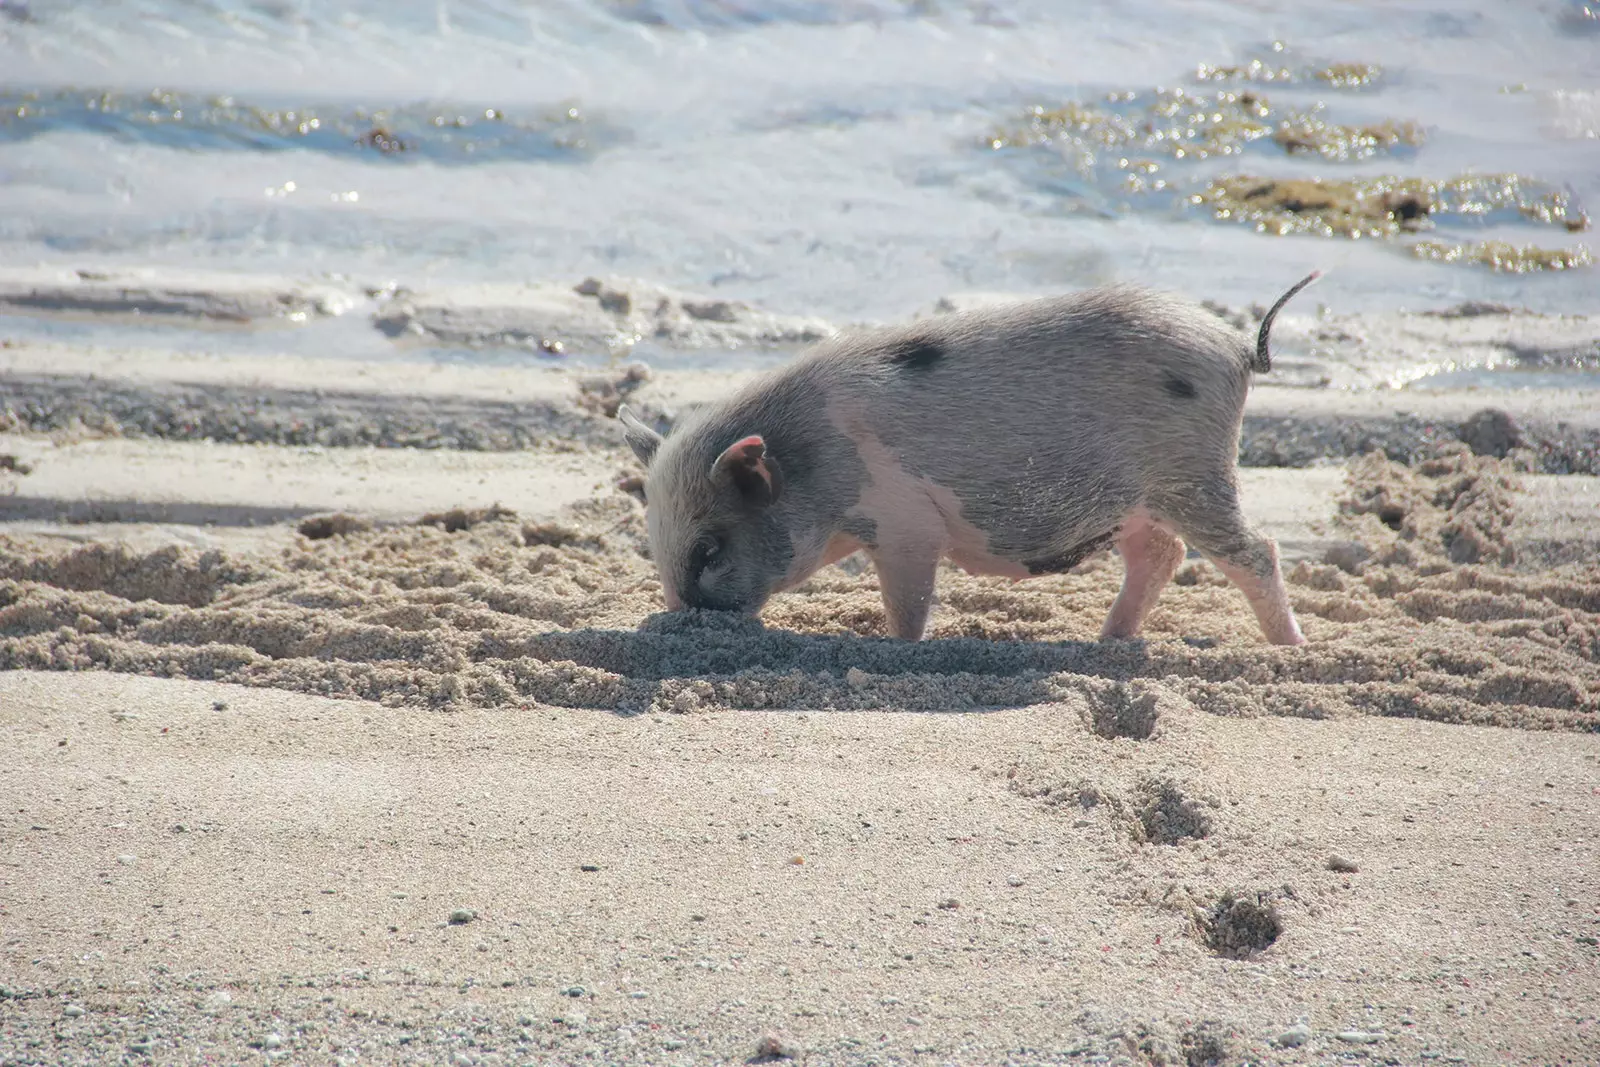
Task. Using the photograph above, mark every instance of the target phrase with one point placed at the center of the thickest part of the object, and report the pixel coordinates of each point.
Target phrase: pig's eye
(710, 554)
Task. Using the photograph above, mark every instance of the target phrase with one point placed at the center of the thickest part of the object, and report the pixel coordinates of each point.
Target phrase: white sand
(201, 481)
(325, 844)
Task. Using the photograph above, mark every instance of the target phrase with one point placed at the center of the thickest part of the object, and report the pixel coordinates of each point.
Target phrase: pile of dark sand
(1422, 614)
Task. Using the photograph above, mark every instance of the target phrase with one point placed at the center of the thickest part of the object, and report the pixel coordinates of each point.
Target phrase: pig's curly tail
(1263, 361)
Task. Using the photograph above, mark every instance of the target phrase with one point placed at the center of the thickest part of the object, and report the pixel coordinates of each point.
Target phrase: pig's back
(1051, 420)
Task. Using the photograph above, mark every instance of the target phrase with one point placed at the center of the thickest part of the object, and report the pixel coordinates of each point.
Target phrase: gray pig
(1016, 441)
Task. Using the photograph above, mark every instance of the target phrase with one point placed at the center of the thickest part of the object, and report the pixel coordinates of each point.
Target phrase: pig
(1014, 441)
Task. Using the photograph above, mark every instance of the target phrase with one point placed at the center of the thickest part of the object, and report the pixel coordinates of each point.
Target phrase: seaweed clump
(1141, 134)
(1177, 123)
(1505, 257)
(1308, 134)
(1382, 206)
(1123, 146)
(1334, 75)
(438, 132)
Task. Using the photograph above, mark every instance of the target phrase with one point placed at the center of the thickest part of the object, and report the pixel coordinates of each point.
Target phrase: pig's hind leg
(1209, 518)
(1150, 556)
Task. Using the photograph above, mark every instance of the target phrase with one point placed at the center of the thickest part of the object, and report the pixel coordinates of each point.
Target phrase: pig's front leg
(905, 577)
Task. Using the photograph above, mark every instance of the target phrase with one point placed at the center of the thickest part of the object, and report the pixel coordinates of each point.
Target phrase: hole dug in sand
(455, 520)
(1204, 1046)
(1237, 927)
(1166, 816)
(1122, 710)
(1159, 812)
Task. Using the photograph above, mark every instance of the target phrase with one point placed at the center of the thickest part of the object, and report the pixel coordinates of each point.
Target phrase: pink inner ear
(751, 449)
(749, 453)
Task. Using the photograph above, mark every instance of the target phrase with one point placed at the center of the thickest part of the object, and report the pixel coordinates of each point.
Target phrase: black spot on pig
(1181, 388)
(915, 355)
(1065, 561)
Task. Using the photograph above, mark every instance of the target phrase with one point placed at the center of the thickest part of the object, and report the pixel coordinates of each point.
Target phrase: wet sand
(282, 707)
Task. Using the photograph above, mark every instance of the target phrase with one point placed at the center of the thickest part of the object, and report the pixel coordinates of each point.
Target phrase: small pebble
(527, 1020)
(219, 705)
(673, 1044)
(776, 1047)
(1014, 881)
(1338, 863)
(462, 915)
(589, 867)
(1295, 1036)
(272, 1041)
(697, 917)
(1358, 1037)
(574, 991)
(461, 1059)
(73, 1011)
(638, 994)
(128, 860)
(797, 860)
(949, 903)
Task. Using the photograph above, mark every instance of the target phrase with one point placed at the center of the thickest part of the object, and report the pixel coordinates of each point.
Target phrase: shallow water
(831, 157)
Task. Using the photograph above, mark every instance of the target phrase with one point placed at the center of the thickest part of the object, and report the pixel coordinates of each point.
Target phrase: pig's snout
(693, 599)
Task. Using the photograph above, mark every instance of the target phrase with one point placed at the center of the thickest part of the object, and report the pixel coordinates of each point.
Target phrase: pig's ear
(752, 469)
(642, 439)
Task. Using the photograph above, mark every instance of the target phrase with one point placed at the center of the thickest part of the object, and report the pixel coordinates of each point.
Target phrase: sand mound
(1420, 615)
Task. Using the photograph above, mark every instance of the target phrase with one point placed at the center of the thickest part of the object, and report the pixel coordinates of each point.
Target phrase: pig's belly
(1032, 520)
(977, 559)
(1044, 548)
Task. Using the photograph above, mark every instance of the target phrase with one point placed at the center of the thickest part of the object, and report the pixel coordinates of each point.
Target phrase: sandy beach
(344, 721)
(347, 726)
